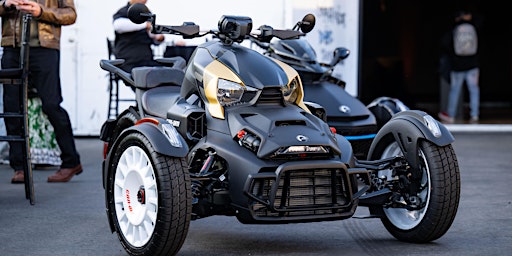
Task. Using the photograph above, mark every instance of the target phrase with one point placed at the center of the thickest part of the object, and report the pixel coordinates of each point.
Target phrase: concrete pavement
(69, 218)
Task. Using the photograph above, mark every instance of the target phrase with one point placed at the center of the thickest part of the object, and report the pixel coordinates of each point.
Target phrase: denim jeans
(457, 80)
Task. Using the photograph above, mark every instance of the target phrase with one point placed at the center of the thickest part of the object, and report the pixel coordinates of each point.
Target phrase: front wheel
(149, 198)
(439, 191)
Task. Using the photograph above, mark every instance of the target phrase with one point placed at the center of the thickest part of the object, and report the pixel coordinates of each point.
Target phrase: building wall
(84, 44)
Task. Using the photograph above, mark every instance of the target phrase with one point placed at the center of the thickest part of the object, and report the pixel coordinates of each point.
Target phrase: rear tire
(440, 190)
(149, 198)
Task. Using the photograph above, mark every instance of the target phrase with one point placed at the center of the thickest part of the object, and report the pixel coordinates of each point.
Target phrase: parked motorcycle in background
(347, 114)
(230, 134)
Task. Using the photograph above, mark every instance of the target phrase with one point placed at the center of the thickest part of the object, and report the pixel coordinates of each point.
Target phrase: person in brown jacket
(44, 64)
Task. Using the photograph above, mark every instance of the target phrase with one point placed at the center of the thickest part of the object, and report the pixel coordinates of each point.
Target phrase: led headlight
(303, 150)
(290, 90)
(230, 93)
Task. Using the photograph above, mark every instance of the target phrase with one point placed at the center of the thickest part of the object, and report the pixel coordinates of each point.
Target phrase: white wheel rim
(400, 217)
(136, 217)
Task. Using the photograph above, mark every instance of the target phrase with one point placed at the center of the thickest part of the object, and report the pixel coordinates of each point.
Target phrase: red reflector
(105, 147)
(241, 134)
(147, 120)
(333, 130)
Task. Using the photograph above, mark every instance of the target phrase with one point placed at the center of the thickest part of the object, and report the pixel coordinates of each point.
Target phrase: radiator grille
(302, 193)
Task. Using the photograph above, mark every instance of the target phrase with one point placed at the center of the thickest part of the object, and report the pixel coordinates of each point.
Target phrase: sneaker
(474, 120)
(445, 118)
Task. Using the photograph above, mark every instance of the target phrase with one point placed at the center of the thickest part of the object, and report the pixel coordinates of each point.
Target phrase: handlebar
(230, 29)
(112, 66)
(187, 30)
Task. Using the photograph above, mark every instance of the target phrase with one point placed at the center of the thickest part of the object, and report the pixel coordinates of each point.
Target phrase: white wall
(337, 25)
(85, 84)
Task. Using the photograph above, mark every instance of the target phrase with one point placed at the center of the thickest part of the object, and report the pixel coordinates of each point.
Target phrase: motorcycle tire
(440, 190)
(149, 198)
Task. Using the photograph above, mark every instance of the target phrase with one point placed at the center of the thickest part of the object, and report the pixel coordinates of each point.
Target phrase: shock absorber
(205, 170)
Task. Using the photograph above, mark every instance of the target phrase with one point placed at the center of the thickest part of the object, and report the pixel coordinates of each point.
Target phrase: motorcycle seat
(150, 77)
(157, 101)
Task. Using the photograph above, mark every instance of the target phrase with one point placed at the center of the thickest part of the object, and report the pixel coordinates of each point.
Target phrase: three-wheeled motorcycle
(230, 134)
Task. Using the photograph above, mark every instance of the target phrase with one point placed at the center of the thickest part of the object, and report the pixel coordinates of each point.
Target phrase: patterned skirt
(44, 149)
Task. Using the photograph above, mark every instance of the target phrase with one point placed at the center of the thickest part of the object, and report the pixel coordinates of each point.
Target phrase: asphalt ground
(69, 218)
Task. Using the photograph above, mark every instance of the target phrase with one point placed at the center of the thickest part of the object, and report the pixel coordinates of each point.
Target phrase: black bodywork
(253, 147)
(249, 180)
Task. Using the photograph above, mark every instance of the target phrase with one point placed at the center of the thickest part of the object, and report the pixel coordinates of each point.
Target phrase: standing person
(462, 45)
(133, 41)
(44, 76)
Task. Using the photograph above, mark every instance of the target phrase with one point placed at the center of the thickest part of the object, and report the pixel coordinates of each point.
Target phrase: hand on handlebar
(156, 37)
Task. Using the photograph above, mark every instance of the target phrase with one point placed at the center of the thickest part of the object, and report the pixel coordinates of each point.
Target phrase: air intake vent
(271, 95)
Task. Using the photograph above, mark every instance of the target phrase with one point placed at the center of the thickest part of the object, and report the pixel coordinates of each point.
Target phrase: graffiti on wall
(329, 19)
(337, 25)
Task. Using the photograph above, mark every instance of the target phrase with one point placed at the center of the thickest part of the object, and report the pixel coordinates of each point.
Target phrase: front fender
(159, 136)
(407, 128)
(158, 133)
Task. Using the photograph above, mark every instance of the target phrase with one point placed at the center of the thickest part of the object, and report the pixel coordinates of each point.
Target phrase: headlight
(230, 93)
(290, 91)
(303, 150)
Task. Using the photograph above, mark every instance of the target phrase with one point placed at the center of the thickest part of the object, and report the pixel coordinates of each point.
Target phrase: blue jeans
(457, 80)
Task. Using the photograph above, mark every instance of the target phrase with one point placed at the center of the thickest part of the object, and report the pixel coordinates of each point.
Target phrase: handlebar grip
(112, 66)
(287, 34)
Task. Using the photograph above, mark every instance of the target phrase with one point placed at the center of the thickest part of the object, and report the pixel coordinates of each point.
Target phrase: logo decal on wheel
(128, 200)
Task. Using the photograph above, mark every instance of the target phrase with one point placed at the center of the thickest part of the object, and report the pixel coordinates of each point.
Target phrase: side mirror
(139, 13)
(308, 23)
(339, 54)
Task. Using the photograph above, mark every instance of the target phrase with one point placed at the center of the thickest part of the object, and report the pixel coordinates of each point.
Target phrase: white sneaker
(474, 120)
(445, 118)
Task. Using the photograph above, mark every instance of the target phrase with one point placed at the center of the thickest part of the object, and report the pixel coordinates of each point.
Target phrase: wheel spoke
(400, 217)
(152, 201)
(118, 200)
(149, 223)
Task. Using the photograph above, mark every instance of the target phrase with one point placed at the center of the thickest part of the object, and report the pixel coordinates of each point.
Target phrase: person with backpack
(462, 46)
